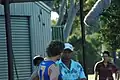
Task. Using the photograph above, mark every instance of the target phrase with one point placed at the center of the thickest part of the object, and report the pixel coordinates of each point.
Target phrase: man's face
(38, 62)
(106, 57)
(67, 54)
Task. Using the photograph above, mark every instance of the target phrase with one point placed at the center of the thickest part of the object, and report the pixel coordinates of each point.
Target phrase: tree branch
(107, 14)
(93, 15)
(61, 12)
(77, 7)
(71, 16)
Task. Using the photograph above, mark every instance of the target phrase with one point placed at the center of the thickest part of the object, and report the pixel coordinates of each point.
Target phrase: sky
(54, 15)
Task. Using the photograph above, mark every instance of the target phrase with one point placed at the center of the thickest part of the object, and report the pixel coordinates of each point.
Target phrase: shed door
(21, 48)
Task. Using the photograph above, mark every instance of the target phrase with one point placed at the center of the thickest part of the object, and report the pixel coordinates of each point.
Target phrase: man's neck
(51, 58)
(105, 61)
(67, 63)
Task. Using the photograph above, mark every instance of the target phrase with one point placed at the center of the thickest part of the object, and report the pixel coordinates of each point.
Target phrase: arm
(34, 75)
(53, 72)
(96, 70)
(83, 79)
(118, 74)
(82, 74)
(116, 71)
(96, 75)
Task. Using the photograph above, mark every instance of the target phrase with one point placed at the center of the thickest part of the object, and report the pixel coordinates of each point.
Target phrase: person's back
(48, 69)
(45, 68)
(36, 61)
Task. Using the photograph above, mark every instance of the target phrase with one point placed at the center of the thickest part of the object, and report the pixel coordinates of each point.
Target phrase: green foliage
(56, 5)
(110, 29)
(76, 26)
(95, 39)
(92, 48)
(93, 42)
(108, 33)
(54, 22)
(88, 5)
(109, 24)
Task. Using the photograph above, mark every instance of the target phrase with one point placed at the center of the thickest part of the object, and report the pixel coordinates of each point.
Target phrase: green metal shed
(31, 33)
(57, 33)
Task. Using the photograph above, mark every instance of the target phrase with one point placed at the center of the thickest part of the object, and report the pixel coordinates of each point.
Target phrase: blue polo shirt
(74, 73)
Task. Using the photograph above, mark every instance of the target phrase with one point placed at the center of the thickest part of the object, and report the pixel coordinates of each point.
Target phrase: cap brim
(68, 49)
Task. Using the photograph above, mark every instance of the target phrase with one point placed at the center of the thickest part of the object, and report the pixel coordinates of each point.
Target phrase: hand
(83, 79)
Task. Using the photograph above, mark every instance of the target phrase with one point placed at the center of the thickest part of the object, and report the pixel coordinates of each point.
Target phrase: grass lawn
(92, 77)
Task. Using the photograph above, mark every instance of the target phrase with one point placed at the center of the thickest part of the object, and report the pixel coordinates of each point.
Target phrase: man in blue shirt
(70, 69)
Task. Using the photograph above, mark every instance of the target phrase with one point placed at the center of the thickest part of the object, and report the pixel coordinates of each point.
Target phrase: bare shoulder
(54, 67)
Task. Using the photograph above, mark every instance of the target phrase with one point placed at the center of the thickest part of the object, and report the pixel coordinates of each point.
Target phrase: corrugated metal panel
(46, 29)
(3, 52)
(57, 33)
(21, 48)
(39, 41)
(43, 6)
(43, 30)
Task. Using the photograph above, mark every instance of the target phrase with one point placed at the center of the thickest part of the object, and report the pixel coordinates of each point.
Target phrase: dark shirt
(105, 72)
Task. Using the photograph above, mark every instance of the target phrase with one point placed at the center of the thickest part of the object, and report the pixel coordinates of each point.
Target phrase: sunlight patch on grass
(91, 77)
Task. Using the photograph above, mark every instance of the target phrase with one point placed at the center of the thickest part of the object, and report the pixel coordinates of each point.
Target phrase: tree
(67, 13)
(110, 28)
(91, 20)
(92, 49)
(107, 33)
(109, 22)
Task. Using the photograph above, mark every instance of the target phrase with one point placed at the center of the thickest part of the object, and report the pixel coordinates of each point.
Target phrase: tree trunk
(71, 16)
(61, 12)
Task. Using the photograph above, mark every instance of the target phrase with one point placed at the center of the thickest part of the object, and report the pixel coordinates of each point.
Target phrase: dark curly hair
(106, 52)
(55, 48)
